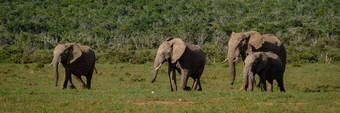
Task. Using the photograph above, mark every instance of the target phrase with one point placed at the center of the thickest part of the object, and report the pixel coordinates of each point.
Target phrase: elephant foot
(241, 89)
(83, 86)
(187, 88)
(72, 87)
(62, 88)
(258, 85)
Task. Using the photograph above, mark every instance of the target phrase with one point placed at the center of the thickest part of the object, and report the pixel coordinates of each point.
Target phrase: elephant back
(193, 47)
(84, 48)
(272, 39)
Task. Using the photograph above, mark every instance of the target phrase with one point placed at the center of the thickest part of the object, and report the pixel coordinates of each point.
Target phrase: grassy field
(126, 88)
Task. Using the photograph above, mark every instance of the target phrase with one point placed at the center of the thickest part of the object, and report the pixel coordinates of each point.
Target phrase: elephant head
(241, 44)
(256, 61)
(170, 50)
(66, 54)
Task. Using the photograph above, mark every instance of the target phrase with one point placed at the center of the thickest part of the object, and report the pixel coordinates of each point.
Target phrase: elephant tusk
(224, 61)
(235, 59)
(52, 64)
(227, 60)
(158, 66)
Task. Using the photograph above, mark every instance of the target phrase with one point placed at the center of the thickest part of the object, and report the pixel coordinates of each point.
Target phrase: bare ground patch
(158, 102)
(271, 103)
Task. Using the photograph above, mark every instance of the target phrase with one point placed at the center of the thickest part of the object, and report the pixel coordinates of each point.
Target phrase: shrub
(43, 57)
(271, 28)
(292, 23)
(304, 57)
(17, 27)
(11, 54)
(39, 65)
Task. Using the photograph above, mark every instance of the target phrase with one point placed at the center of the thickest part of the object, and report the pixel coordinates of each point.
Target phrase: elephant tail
(96, 70)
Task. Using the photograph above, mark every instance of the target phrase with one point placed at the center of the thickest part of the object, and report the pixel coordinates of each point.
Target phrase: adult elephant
(268, 66)
(246, 42)
(77, 59)
(188, 59)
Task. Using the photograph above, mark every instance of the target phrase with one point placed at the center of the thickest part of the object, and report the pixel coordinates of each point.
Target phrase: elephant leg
(199, 87)
(70, 84)
(67, 77)
(179, 71)
(194, 85)
(280, 84)
(184, 80)
(245, 82)
(263, 84)
(80, 81)
(172, 77)
(250, 82)
(88, 80)
(270, 86)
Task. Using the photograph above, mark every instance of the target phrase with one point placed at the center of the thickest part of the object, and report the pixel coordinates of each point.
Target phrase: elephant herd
(262, 54)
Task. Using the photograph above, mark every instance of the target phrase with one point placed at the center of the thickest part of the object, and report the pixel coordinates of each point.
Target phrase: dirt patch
(158, 102)
(298, 103)
(265, 103)
(270, 103)
(3, 72)
(32, 84)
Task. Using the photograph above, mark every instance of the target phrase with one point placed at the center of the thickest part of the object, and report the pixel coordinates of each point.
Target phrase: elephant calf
(269, 67)
(78, 60)
(188, 59)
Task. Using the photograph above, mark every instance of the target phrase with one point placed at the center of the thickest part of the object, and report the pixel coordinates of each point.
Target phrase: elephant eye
(239, 44)
(63, 54)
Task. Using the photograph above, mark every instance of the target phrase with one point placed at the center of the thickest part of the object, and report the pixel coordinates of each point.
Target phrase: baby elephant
(78, 60)
(268, 66)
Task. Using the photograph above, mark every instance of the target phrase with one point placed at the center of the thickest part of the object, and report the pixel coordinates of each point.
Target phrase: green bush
(11, 54)
(271, 28)
(39, 65)
(132, 56)
(292, 23)
(44, 57)
(304, 57)
(17, 27)
(133, 26)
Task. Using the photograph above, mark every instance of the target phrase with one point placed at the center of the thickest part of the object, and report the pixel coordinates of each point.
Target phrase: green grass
(126, 88)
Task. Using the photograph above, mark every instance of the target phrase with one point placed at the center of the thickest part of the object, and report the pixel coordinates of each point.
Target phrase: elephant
(246, 42)
(77, 59)
(188, 59)
(268, 66)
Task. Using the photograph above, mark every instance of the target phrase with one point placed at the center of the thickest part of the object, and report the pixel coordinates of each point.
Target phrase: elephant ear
(75, 53)
(255, 39)
(262, 61)
(178, 48)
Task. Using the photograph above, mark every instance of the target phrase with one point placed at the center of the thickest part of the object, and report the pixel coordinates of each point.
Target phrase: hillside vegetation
(131, 30)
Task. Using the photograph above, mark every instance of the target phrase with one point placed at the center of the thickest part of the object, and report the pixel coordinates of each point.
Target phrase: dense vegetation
(29, 29)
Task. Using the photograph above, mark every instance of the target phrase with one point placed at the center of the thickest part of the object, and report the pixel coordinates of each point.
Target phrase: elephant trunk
(55, 63)
(232, 71)
(154, 75)
(157, 65)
